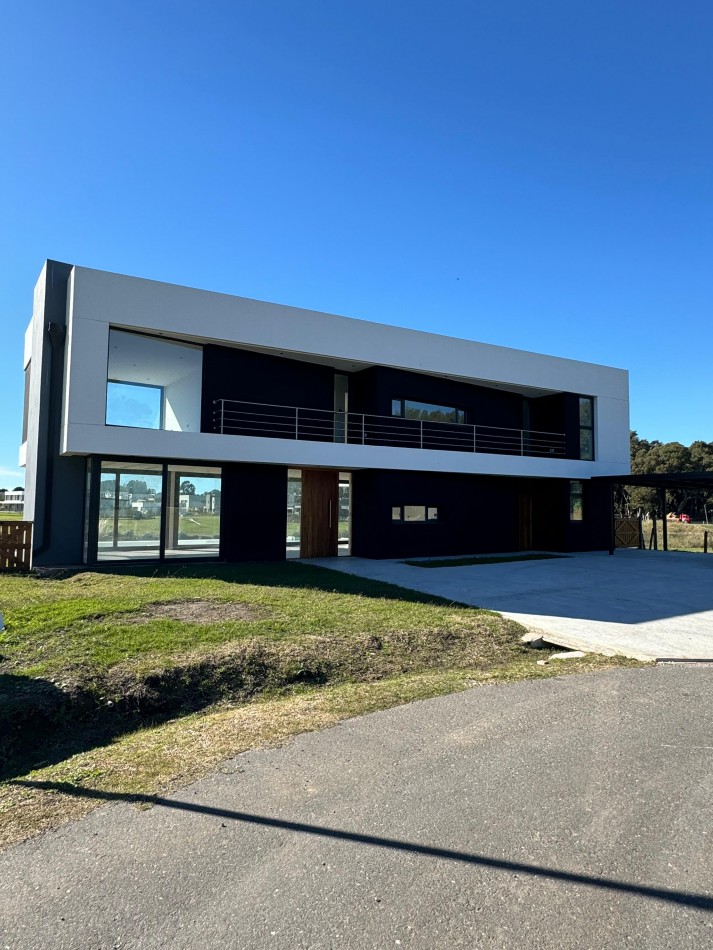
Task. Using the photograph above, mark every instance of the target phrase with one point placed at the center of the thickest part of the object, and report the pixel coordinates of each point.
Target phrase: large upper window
(426, 411)
(586, 428)
(134, 404)
(153, 383)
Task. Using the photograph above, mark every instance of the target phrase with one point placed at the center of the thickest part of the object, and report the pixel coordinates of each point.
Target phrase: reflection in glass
(433, 514)
(576, 501)
(129, 511)
(585, 411)
(396, 513)
(586, 444)
(345, 514)
(135, 405)
(414, 513)
(430, 413)
(193, 512)
(294, 512)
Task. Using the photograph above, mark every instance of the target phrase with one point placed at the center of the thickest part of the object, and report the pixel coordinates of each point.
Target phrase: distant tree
(188, 488)
(650, 458)
(136, 486)
(19, 488)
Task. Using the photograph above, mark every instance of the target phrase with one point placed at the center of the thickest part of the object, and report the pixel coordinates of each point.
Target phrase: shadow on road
(683, 898)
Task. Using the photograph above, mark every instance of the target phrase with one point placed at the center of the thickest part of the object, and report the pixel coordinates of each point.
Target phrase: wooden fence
(15, 545)
(628, 533)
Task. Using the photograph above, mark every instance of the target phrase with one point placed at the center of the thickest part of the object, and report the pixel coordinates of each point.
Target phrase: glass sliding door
(193, 512)
(153, 511)
(130, 499)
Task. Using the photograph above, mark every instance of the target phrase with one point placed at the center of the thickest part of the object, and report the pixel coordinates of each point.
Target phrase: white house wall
(98, 300)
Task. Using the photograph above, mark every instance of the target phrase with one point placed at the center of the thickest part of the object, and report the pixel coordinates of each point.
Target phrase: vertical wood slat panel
(15, 545)
(320, 490)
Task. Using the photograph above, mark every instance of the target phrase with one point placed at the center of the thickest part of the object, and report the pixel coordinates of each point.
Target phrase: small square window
(396, 513)
(397, 407)
(414, 513)
(432, 514)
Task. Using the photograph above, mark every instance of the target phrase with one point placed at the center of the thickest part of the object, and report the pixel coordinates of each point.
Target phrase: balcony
(232, 417)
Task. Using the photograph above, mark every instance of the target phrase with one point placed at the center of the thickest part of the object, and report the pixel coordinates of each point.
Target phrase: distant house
(300, 433)
(12, 501)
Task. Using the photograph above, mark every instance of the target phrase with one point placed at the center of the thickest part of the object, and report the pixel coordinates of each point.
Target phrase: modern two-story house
(164, 422)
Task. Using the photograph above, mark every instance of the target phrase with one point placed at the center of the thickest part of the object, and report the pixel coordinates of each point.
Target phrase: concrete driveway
(642, 604)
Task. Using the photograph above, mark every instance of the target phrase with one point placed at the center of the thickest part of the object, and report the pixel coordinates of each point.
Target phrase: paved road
(561, 813)
(644, 604)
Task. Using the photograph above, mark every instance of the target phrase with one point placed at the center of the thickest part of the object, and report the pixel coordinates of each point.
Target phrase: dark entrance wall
(254, 512)
(552, 528)
(475, 514)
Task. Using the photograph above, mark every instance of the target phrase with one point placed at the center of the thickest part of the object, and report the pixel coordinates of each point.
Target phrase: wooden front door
(320, 513)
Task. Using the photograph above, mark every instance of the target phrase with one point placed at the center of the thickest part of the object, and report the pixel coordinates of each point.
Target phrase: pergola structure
(661, 482)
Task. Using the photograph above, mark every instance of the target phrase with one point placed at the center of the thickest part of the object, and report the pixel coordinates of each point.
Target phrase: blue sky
(537, 175)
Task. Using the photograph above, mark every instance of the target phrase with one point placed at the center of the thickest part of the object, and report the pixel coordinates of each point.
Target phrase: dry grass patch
(196, 611)
(162, 758)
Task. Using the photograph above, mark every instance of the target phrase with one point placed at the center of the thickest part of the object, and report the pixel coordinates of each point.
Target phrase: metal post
(522, 441)
(705, 542)
(421, 433)
(664, 524)
(363, 430)
(297, 422)
(612, 520)
(474, 442)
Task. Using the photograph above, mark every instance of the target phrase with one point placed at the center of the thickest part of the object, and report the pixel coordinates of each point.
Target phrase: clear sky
(537, 175)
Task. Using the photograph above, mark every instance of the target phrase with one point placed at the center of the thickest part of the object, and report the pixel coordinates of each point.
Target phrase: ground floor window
(576, 501)
(139, 510)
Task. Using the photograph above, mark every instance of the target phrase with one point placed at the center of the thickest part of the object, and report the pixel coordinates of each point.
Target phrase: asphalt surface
(573, 812)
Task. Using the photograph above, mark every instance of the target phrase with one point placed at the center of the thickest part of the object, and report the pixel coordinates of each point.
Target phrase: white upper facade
(99, 301)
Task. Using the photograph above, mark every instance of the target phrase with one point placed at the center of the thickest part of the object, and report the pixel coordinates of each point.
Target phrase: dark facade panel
(232, 373)
(254, 512)
(59, 481)
(373, 389)
(475, 514)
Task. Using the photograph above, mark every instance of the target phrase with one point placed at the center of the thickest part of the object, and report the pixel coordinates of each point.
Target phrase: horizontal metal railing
(267, 420)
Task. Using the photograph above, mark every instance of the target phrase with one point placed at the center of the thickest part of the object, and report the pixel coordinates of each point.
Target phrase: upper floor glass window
(426, 411)
(153, 383)
(586, 428)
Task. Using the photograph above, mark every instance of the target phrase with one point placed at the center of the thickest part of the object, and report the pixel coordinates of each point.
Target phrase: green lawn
(139, 680)
(11, 516)
(85, 623)
(681, 537)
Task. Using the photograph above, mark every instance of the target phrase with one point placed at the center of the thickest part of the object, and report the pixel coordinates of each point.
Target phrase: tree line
(656, 457)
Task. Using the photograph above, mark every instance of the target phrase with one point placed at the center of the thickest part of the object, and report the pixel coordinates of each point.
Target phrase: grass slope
(139, 680)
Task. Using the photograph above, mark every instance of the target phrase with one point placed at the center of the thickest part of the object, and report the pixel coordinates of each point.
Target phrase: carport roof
(701, 480)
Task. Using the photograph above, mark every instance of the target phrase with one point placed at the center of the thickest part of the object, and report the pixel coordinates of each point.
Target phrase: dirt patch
(196, 611)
